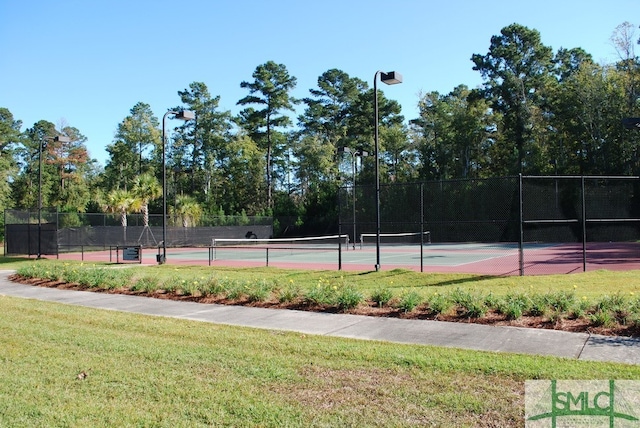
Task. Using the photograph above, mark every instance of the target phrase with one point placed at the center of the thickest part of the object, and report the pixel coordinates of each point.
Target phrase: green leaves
(270, 89)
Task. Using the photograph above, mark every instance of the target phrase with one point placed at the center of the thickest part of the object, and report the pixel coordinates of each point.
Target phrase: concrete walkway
(582, 346)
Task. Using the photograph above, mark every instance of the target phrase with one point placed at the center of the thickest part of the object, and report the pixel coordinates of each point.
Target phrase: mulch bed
(367, 308)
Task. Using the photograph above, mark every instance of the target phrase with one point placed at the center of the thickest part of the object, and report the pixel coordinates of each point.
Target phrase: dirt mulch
(367, 308)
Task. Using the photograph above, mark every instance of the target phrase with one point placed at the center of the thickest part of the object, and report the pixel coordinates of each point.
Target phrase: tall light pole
(182, 115)
(57, 138)
(390, 78)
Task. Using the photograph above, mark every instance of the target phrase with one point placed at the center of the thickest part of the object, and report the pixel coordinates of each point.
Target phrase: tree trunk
(145, 215)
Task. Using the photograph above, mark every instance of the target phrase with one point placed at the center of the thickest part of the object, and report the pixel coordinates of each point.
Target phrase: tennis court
(331, 253)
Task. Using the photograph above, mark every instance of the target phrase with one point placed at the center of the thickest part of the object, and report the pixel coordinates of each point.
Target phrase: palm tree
(189, 210)
(146, 188)
(121, 202)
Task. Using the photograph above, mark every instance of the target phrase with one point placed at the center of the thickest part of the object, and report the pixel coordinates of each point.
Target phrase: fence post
(422, 227)
(584, 227)
(340, 228)
(521, 226)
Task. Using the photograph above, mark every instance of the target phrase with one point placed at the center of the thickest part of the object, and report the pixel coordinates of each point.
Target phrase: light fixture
(182, 115)
(390, 78)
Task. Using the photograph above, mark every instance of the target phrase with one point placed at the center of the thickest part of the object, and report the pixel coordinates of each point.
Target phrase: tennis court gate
(521, 210)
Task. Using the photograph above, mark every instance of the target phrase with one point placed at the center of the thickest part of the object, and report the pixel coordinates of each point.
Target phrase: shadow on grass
(463, 280)
(456, 281)
(7, 260)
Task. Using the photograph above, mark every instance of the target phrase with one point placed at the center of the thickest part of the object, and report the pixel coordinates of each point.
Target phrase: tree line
(537, 112)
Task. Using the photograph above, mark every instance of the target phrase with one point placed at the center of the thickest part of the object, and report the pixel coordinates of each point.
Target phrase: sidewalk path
(582, 346)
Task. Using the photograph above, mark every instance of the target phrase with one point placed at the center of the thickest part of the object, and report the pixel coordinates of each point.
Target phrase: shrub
(556, 316)
(560, 301)
(513, 306)
(234, 290)
(409, 301)
(602, 318)
(512, 309)
(54, 273)
(29, 271)
(579, 308)
(322, 294)
(288, 293)
(348, 297)
(491, 301)
(538, 305)
(259, 291)
(617, 306)
(382, 296)
(635, 322)
(171, 284)
(461, 297)
(97, 278)
(190, 287)
(147, 284)
(611, 303)
(439, 304)
(211, 286)
(48, 271)
(72, 273)
(117, 278)
(471, 306)
(475, 309)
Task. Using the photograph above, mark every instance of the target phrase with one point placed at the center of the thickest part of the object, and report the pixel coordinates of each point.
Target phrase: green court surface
(478, 258)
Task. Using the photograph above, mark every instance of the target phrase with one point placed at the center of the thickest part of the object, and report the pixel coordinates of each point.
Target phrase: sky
(86, 63)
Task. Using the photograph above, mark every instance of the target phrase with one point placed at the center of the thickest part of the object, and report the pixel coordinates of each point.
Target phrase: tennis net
(309, 242)
(265, 248)
(404, 238)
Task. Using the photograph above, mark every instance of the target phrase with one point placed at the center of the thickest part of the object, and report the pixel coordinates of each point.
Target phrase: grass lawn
(149, 371)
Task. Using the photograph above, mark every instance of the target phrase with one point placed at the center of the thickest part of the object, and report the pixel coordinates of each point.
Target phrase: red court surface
(483, 259)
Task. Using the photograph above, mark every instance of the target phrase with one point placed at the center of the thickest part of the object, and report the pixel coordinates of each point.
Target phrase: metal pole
(40, 201)
(390, 78)
(520, 225)
(163, 258)
(377, 166)
(421, 227)
(339, 231)
(183, 115)
(355, 171)
(584, 226)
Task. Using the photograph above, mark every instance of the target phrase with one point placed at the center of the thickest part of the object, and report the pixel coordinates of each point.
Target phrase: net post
(340, 251)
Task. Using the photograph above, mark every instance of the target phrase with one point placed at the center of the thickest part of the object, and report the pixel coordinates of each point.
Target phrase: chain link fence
(68, 232)
(511, 225)
(552, 220)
